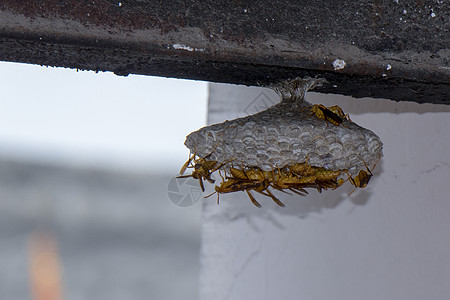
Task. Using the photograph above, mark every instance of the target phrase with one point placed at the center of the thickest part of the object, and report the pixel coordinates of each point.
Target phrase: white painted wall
(388, 241)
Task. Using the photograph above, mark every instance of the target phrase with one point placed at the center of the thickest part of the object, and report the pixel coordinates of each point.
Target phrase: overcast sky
(82, 118)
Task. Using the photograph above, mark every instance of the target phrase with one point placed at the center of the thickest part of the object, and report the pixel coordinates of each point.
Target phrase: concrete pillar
(390, 240)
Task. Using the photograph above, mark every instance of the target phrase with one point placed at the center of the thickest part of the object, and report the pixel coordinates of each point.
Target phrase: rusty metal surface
(392, 49)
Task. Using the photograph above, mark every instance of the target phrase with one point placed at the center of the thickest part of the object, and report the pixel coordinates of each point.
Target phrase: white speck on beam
(388, 67)
(339, 64)
(187, 48)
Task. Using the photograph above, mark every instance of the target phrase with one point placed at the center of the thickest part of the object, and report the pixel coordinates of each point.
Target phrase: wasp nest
(292, 145)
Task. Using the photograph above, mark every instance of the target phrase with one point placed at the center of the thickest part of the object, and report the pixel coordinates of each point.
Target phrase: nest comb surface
(287, 133)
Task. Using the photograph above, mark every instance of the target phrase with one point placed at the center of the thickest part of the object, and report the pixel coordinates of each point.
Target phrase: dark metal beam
(397, 50)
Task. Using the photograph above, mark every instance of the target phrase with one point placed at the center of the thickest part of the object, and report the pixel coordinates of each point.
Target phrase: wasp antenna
(349, 178)
(215, 147)
(376, 162)
(184, 176)
(368, 167)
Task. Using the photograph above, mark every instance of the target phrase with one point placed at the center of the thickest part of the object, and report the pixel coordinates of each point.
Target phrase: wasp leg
(210, 195)
(209, 179)
(328, 184)
(220, 174)
(186, 164)
(368, 167)
(256, 203)
(350, 179)
(213, 194)
(281, 190)
(221, 165)
(347, 117)
(275, 199)
(201, 184)
(340, 182)
(299, 191)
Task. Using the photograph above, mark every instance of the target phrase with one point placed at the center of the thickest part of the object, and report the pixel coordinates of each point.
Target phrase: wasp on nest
(292, 146)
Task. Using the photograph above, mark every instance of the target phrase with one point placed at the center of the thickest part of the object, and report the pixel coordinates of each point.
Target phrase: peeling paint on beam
(364, 49)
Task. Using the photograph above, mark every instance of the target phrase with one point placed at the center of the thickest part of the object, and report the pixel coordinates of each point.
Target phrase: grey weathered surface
(393, 49)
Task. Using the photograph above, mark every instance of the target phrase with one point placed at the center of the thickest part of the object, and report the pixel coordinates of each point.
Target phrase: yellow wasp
(334, 114)
(362, 179)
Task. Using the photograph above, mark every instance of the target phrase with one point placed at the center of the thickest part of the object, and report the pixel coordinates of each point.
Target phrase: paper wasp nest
(291, 146)
(288, 133)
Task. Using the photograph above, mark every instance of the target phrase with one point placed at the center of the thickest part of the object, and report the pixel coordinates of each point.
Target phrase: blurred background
(86, 162)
